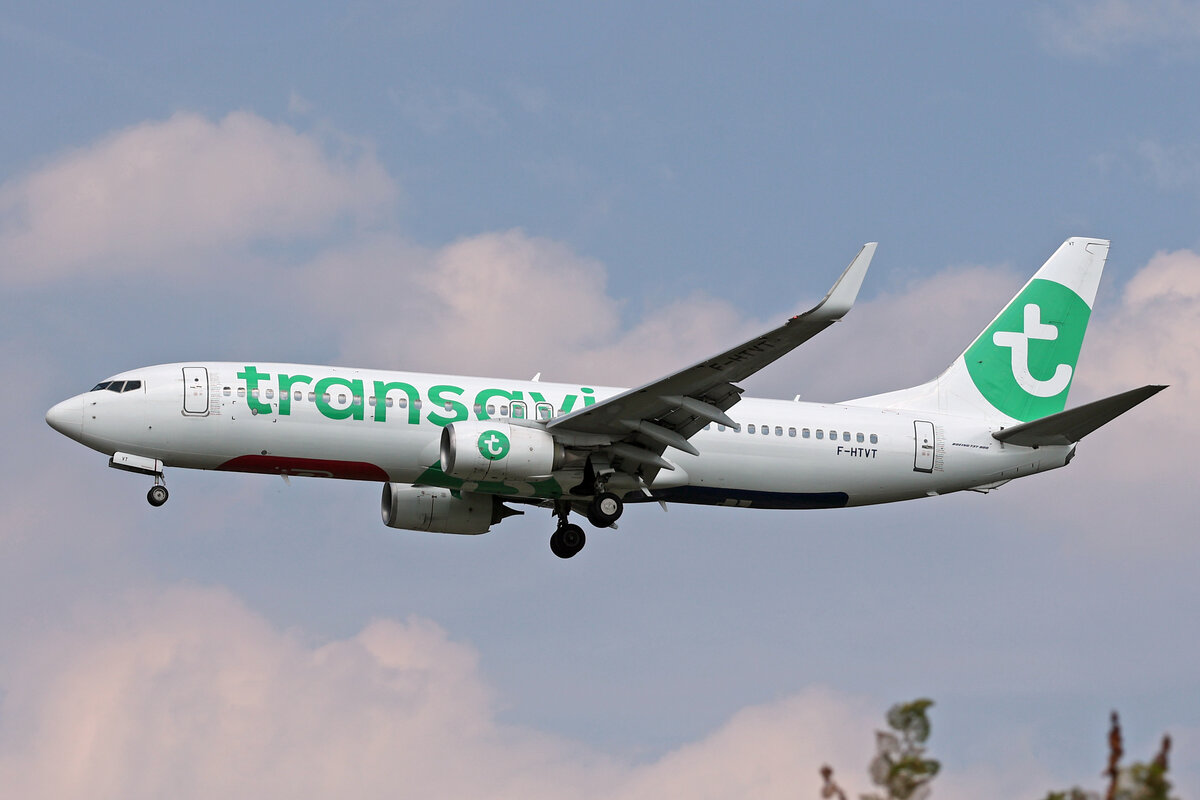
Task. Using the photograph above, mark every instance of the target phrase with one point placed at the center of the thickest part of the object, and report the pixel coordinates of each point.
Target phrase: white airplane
(455, 453)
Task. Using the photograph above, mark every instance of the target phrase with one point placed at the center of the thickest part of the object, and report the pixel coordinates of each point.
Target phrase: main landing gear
(605, 509)
(568, 538)
(158, 493)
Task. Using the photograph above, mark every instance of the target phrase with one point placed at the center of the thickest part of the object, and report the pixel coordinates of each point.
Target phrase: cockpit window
(117, 386)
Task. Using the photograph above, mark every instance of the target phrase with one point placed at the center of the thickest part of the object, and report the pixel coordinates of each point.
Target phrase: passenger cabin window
(750, 428)
(859, 438)
(805, 433)
(241, 391)
(874, 439)
(792, 432)
(270, 394)
(766, 430)
(820, 433)
(779, 431)
(845, 436)
(227, 391)
(491, 409)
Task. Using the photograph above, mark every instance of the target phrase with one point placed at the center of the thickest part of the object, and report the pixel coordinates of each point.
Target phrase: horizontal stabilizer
(1068, 427)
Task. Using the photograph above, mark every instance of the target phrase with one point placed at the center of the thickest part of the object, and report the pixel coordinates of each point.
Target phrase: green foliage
(902, 771)
(899, 766)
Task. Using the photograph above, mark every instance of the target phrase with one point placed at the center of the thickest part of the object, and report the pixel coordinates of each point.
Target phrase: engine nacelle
(497, 451)
(427, 508)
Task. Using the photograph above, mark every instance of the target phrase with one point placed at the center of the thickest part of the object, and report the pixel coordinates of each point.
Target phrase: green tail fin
(1021, 367)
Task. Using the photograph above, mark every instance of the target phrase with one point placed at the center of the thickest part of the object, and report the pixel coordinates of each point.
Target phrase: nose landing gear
(158, 493)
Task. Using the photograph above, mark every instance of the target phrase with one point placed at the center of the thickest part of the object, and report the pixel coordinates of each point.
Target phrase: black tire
(157, 495)
(572, 539)
(556, 546)
(605, 509)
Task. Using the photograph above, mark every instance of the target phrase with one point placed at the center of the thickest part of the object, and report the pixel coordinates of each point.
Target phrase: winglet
(841, 297)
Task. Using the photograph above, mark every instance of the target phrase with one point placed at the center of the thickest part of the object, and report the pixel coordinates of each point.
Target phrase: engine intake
(497, 451)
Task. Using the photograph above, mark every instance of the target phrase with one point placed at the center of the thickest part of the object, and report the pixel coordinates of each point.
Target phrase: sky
(599, 193)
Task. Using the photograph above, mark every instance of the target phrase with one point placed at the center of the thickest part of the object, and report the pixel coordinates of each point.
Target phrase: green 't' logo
(493, 445)
(1024, 362)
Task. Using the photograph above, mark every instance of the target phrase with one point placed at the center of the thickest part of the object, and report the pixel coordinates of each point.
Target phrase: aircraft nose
(67, 417)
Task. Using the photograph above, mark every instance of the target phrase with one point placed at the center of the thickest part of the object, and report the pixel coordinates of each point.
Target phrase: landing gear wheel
(605, 509)
(157, 495)
(567, 541)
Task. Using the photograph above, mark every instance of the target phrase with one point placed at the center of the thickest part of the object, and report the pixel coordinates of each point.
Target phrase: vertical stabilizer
(1022, 365)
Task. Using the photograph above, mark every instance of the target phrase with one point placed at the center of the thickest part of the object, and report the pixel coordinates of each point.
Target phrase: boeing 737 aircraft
(456, 454)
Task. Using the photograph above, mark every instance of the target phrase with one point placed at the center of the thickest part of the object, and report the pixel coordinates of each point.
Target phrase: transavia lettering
(857, 452)
(351, 398)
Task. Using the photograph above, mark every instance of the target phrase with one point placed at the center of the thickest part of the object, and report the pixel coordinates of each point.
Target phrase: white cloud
(505, 304)
(145, 197)
(185, 692)
(1093, 28)
(1170, 167)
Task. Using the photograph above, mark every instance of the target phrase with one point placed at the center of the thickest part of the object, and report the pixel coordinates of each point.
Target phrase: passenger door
(926, 446)
(195, 391)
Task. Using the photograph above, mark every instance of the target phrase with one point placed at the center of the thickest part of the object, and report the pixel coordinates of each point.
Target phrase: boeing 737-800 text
(456, 454)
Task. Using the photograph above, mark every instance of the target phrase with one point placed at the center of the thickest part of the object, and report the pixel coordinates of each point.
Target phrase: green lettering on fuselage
(437, 398)
(285, 391)
(381, 397)
(252, 376)
(445, 400)
(325, 406)
(481, 400)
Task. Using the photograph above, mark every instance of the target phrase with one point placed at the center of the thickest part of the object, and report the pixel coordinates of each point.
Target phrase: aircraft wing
(642, 422)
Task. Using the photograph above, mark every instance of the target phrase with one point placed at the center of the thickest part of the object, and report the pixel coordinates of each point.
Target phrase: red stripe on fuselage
(314, 467)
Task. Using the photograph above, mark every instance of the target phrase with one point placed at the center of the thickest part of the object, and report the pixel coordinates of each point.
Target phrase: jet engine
(497, 451)
(428, 508)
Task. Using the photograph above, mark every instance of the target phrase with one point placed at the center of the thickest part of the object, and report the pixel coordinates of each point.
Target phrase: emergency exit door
(195, 391)
(926, 446)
